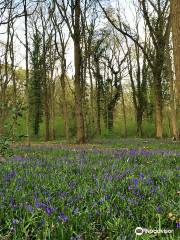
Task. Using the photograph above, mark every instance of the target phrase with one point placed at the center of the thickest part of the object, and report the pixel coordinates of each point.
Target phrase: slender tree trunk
(53, 114)
(83, 85)
(27, 72)
(6, 71)
(110, 118)
(124, 112)
(172, 95)
(175, 20)
(139, 116)
(173, 109)
(158, 98)
(1, 100)
(77, 63)
(46, 112)
(98, 97)
(14, 84)
(65, 107)
(91, 95)
(46, 94)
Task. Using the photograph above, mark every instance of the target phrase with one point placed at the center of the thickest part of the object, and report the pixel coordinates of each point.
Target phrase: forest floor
(113, 143)
(102, 190)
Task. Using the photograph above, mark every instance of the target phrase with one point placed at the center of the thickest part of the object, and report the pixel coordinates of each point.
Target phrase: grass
(138, 143)
(74, 192)
(118, 130)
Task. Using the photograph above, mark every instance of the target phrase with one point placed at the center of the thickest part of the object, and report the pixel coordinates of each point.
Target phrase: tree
(175, 23)
(35, 83)
(27, 69)
(61, 51)
(159, 27)
(73, 22)
(138, 79)
(170, 76)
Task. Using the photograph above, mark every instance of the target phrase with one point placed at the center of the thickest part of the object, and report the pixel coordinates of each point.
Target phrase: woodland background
(78, 70)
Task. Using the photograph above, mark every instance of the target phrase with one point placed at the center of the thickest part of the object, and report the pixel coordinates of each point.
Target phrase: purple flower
(15, 221)
(9, 175)
(12, 202)
(62, 217)
(130, 187)
(75, 211)
(150, 181)
(135, 181)
(141, 175)
(158, 208)
(153, 190)
(102, 200)
(38, 205)
(107, 197)
(30, 208)
(49, 211)
(132, 201)
(123, 197)
(178, 225)
(42, 222)
(110, 177)
(133, 152)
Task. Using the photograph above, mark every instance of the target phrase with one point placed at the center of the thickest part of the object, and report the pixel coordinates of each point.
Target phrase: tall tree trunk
(139, 115)
(27, 71)
(98, 96)
(158, 107)
(77, 63)
(175, 20)
(83, 86)
(91, 95)
(46, 93)
(124, 111)
(157, 74)
(53, 114)
(172, 106)
(15, 115)
(172, 95)
(110, 118)
(65, 107)
(46, 111)
(53, 107)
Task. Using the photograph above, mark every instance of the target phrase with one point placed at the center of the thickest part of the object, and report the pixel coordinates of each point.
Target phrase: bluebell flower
(133, 152)
(12, 202)
(62, 217)
(49, 211)
(30, 208)
(141, 175)
(153, 190)
(42, 222)
(123, 197)
(132, 201)
(135, 181)
(75, 211)
(110, 177)
(102, 200)
(37, 205)
(130, 187)
(150, 181)
(15, 221)
(178, 225)
(158, 208)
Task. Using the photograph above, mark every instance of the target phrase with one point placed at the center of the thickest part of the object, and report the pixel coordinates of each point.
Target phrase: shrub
(5, 149)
